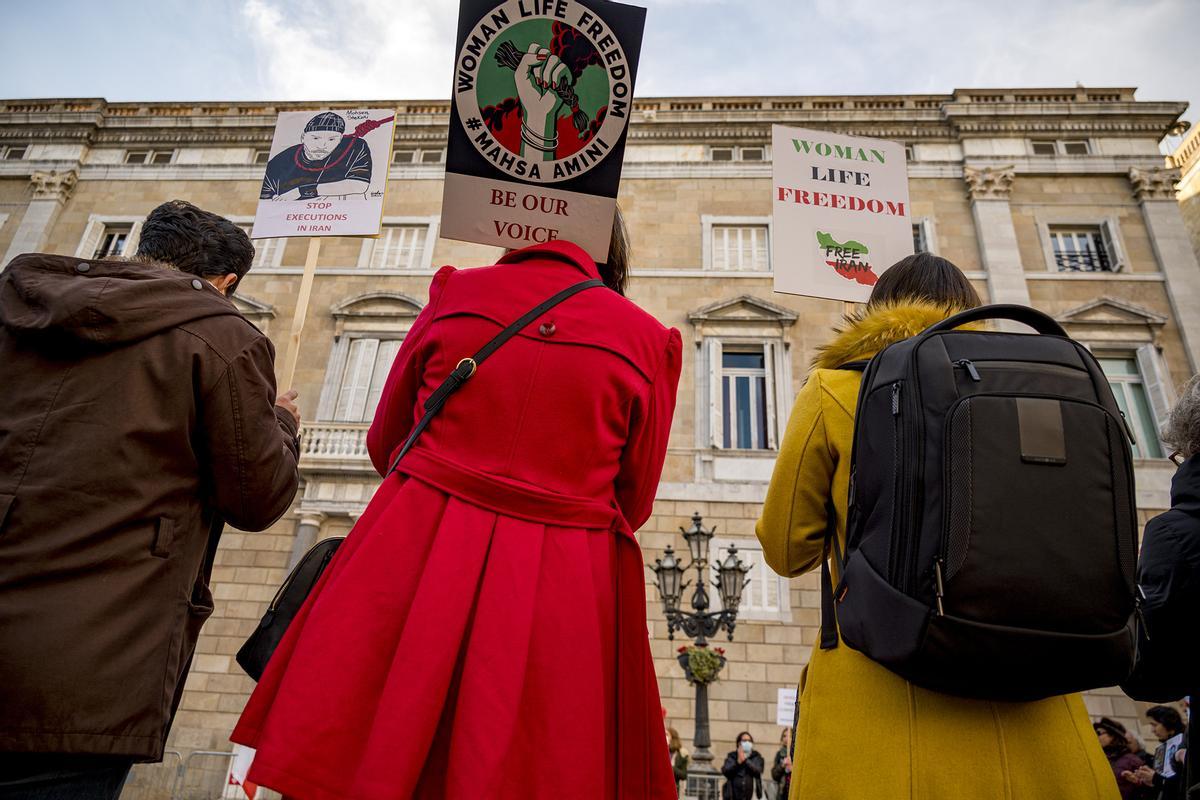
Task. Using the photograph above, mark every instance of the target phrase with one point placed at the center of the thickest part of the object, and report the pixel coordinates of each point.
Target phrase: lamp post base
(702, 785)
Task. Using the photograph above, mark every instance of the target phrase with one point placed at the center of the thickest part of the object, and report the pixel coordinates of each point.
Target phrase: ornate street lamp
(700, 623)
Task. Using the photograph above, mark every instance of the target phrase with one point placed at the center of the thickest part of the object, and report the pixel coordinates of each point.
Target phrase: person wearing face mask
(743, 770)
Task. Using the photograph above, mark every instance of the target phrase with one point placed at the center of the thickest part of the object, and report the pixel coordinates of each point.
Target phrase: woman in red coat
(482, 631)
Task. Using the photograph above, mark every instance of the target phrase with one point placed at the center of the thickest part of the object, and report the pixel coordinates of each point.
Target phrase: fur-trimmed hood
(870, 329)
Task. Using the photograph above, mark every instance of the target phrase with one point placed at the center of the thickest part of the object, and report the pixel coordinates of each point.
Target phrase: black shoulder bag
(257, 650)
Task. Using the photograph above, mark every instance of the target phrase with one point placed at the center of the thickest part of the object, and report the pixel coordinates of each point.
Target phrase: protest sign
(785, 707)
(841, 212)
(327, 174)
(542, 96)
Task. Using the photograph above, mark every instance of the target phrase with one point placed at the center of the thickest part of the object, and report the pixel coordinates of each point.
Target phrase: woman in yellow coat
(865, 733)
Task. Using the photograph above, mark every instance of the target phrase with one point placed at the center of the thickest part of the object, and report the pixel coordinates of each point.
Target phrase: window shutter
(131, 241)
(367, 252)
(716, 412)
(771, 355)
(331, 389)
(383, 366)
(1157, 383)
(356, 382)
(1109, 237)
(91, 239)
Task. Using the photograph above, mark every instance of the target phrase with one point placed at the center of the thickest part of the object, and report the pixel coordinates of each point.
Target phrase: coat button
(82, 266)
(547, 329)
(196, 284)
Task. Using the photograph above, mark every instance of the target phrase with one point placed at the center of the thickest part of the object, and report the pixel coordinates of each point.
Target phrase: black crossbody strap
(467, 367)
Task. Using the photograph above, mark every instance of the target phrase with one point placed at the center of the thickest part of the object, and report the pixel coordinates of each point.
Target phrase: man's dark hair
(193, 240)
(1168, 717)
(927, 277)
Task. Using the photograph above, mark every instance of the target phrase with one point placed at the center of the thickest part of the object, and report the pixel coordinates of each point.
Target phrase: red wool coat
(482, 632)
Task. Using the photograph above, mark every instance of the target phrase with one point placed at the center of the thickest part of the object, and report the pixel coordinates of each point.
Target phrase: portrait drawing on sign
(326, 162)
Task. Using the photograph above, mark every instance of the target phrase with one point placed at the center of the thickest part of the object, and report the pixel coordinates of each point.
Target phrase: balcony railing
(334, 441)
(1088, 261)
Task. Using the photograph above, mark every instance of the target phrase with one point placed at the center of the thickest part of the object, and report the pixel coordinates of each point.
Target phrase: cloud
(398, 49)
(352, 49)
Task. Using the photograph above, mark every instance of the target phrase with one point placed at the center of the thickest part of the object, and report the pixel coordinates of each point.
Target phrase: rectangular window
(433, 156)
(262, 156)
(267, 252)
(1081, 249)
(1045, 149)
(1079, 148)
(753, 154)
(15, 153)
(920, 239)
(399, 247)
(404, 156)
(366, 371)
(744, 399)
(721, 153)
(743, 248)
(113, 240)
(149, 156)
(766, 596)
(1129, 388)
(909, 153)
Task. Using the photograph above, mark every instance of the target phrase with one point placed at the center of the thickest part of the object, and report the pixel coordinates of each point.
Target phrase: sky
(403, 49)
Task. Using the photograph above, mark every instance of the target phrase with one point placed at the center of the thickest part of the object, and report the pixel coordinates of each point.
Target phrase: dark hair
(925, 276)
(615, 271)
(1167, 717)
(193, 240)
(738, 740)
(676, 742)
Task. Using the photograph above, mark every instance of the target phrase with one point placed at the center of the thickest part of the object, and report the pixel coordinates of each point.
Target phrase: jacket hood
(104, 303)
(870, 329)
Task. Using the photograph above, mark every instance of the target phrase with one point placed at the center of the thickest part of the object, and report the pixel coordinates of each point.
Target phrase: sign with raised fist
(543, 92)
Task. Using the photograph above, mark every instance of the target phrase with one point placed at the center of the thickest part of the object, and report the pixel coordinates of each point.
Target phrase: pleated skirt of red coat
(452, 651)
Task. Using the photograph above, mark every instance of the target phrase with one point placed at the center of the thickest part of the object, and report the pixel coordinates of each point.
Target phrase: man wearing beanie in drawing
(326, 163)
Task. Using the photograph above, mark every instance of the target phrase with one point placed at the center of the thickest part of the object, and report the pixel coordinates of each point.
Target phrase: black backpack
(991, 538)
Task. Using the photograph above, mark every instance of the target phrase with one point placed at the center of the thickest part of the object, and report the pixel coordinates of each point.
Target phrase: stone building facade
(1057, 198)
(1186, 159)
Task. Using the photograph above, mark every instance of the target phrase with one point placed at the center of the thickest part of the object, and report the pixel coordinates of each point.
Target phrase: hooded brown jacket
(137, 414)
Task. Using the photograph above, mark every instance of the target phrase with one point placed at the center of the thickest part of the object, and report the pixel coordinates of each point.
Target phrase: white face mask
(747, 746)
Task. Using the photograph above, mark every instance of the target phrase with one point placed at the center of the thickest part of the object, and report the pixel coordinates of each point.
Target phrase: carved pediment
(1110, 311)
(742, 310)
(252, 308)
(375, 311)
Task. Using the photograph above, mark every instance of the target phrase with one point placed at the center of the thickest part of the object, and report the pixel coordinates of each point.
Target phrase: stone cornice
(989, 183)
(966, 112)
(1153, 184)
(54, 185)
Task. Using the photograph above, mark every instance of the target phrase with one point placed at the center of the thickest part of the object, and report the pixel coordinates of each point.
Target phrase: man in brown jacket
(137, 415)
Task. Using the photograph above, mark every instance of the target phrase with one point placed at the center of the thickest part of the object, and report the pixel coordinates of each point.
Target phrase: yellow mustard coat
(865, 733)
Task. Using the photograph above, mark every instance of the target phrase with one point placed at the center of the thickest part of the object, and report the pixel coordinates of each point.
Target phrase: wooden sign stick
(293, 354)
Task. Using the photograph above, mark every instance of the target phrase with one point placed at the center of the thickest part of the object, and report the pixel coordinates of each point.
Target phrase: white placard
(785, 707)
(841, 212)
(327, 174)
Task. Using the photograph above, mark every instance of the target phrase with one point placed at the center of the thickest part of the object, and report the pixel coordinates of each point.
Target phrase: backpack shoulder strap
(467, 367)
(829, 633)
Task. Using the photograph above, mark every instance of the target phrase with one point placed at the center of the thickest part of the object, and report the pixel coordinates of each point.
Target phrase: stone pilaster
(1154, 189)
(51, 190)
(989, 189)
(308, 528)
